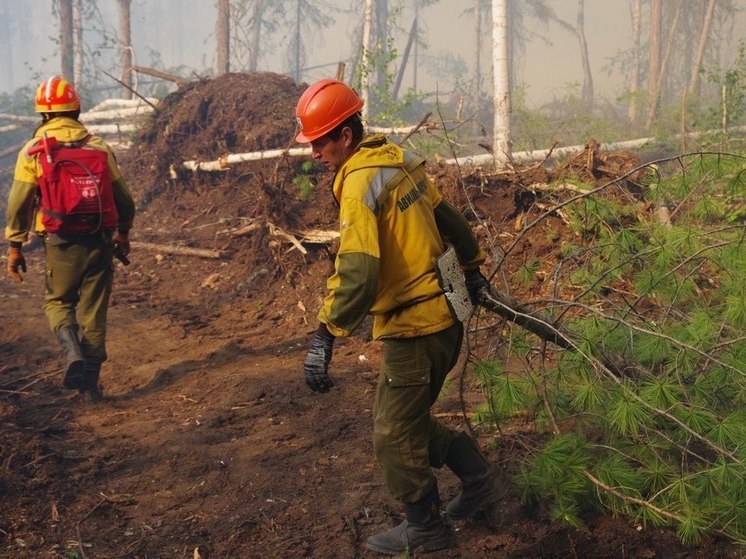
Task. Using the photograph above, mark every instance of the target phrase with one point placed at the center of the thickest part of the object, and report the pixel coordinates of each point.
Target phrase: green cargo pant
(408, 441)
(78, 284)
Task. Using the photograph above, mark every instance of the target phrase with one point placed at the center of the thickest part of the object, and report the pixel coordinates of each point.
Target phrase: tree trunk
(125, 43)
(655, 97)
(298, 13)
(222, 37)
(416, 57)
(404, 59)
(256, 33)
(365, 59)
(477, 66)
(382, 35)
(6, 43)
(654, 67)
(501, 82)
(634, 78)
(77, 42)
(586, 93)
(66, 40)
(693, 88)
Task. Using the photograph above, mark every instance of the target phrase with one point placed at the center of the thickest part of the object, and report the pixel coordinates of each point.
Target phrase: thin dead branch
(162, 75)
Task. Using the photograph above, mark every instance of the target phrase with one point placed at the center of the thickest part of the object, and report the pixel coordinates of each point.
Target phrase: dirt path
(208, 439)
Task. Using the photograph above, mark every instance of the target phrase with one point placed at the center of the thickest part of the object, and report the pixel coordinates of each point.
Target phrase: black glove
(121, 244)
(316, 365)
(475, 282)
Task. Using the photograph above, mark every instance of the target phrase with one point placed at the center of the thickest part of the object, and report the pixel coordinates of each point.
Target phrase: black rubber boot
(423, 528)
(90, 389)
(481, 485)
(74, 360)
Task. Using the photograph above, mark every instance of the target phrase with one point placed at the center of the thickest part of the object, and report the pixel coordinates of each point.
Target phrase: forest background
(643, 414)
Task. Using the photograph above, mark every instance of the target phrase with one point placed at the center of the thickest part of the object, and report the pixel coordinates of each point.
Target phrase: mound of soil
(208, 443)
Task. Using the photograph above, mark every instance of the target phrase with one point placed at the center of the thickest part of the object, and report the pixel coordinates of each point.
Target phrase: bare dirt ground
(208, 443)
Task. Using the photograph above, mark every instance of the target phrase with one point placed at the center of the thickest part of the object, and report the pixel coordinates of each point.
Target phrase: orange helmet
(323, 106)
(56, 95)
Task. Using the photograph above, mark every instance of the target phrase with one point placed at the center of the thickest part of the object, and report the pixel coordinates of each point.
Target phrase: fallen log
(10, 151)
(109, 104)
(180, 250)
(111, 128)
(115, 114)
(19, 118)
(559, 152)
(226, 161)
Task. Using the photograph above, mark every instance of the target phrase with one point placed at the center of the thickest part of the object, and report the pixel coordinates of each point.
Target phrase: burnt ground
(208, 443)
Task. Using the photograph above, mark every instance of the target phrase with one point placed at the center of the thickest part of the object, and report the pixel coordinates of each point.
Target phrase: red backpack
(77, 197)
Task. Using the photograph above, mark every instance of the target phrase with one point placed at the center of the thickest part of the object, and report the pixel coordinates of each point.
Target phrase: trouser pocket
(401, 416)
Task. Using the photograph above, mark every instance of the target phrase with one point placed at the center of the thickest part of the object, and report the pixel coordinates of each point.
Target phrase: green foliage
(648, 416)
(528, 126)
(303, 181)
(731, 84)
(590, 393)
(20, 102)
(525, 274)
(388, 111)
(627, 415)
(568, 120)
(556, 474)
(505, 394)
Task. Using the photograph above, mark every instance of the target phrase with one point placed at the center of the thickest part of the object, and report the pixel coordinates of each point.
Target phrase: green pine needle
(692, 528)
(590, 393)
(662, 393)
(626, 415)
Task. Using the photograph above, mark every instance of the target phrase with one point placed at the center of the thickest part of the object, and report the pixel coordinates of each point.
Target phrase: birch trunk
(501, 84)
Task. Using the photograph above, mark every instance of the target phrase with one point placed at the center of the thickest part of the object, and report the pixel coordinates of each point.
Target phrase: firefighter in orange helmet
(79, 268)
(394, 224)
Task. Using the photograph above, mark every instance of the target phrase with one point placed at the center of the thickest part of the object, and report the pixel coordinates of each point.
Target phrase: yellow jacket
(22, 197)
(393, 223)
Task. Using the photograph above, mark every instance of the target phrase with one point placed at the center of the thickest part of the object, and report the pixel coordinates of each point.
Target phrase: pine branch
(671, 339)
(641, 502)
